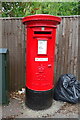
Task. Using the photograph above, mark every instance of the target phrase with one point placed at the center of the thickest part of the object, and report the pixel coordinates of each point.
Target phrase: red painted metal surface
(41, 36)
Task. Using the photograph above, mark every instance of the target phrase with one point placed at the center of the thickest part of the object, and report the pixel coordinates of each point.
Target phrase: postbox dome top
(43, 17)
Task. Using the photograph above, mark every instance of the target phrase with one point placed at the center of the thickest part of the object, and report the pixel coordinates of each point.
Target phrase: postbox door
(41, 62)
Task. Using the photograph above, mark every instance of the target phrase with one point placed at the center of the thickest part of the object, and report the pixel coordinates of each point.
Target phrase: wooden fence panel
(14, 38)
(66, 51)
(66, 60)
(79, 48)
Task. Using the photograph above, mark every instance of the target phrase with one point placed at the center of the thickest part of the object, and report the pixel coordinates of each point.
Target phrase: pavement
(18, 109)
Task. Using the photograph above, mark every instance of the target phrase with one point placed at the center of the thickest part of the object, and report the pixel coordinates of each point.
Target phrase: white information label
(41, 59)
(42, 46)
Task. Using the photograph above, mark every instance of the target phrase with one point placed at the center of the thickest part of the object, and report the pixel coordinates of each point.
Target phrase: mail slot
(40, 50)
(42, 32)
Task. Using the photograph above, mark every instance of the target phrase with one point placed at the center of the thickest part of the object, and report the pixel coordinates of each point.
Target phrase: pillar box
(40, 50)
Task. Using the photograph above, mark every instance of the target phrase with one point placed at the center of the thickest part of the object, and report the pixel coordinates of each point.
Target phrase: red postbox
(40, 50)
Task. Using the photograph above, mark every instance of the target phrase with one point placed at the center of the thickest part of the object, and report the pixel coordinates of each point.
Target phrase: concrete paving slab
(68, 111)
(0, 112)
(18, 109)
(12, 110)
(29, 113)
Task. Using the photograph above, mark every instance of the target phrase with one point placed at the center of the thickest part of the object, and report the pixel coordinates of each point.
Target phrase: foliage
(21, 9)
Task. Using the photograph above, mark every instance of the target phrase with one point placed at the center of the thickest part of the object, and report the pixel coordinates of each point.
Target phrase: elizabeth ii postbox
(40, 50)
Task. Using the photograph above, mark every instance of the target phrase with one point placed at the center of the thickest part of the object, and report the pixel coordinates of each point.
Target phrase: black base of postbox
(38, 100)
